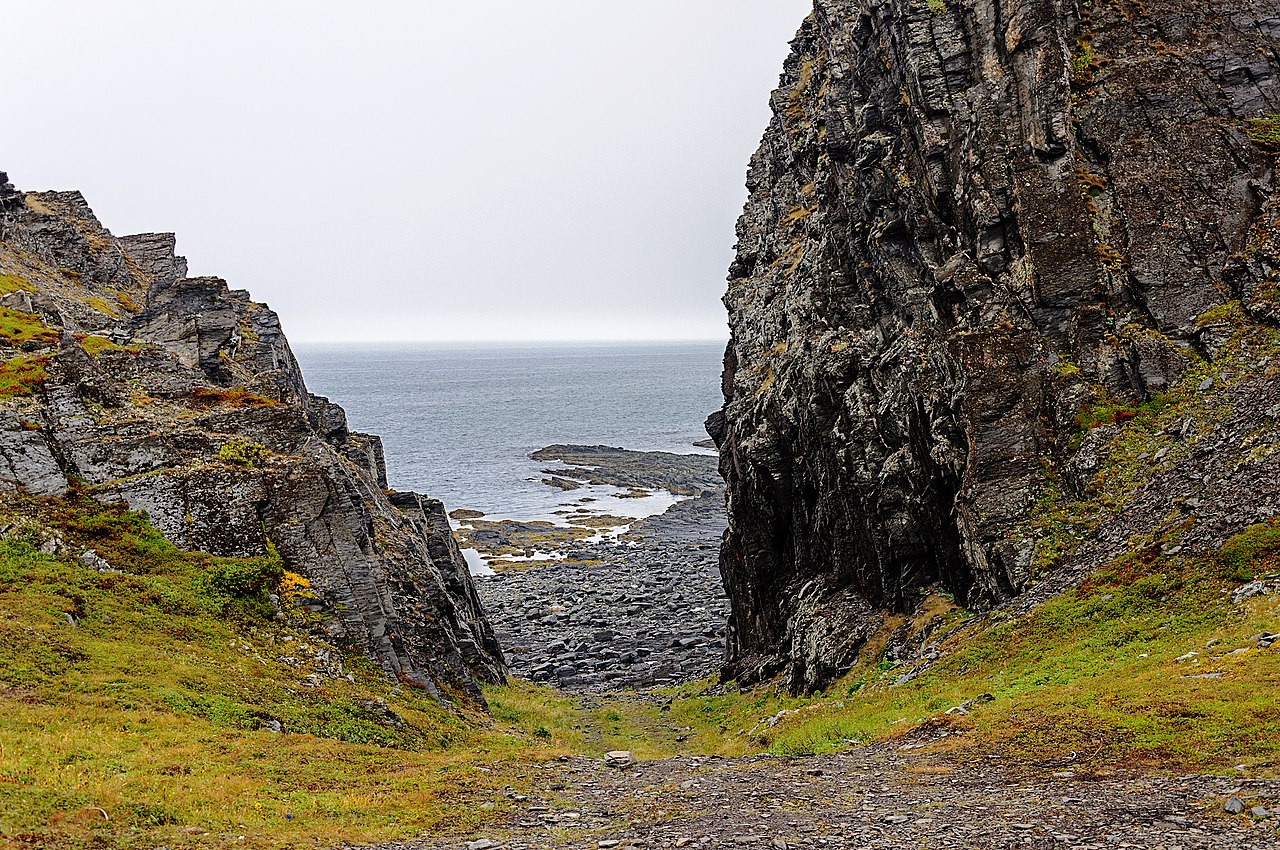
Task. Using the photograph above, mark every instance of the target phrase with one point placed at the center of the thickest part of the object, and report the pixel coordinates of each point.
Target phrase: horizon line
(509, 341)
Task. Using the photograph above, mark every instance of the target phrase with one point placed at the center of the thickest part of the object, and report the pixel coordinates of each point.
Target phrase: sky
(430, 170)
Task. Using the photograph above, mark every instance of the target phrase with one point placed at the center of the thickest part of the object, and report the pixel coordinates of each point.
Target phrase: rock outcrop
(135, 383)
(974, 232)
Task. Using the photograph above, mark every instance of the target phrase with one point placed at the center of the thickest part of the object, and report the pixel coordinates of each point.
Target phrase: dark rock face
(180, 397)
(965, 222)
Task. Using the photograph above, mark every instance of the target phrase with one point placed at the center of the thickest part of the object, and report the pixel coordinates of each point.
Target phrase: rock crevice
(966, 221)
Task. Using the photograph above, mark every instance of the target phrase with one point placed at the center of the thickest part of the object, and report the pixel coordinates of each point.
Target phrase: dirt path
(873, 797)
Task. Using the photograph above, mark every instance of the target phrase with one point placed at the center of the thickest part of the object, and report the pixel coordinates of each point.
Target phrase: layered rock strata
(135, 383)
(969, 224)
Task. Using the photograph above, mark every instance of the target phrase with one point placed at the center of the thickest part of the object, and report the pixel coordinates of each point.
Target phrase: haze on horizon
(396, 171)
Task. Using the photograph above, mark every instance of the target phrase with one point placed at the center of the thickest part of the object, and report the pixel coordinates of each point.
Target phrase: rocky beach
(603, 601)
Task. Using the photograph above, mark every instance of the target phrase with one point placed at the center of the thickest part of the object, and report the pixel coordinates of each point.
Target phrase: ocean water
(458, 421)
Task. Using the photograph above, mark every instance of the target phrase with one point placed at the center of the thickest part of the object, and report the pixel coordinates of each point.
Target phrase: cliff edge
(1002, 310)
(132, 382)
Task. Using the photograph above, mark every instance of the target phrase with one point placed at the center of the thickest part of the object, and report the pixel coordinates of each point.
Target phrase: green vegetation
(233, 397)
(13, 283)
(1093, 671)
(149, 695)
(137, 707)
(1109, 411)
(22, 376)
(95, 346)
(938, 7)
(18, 328)
(243, 452)
(1265, 133)
(1084, 64)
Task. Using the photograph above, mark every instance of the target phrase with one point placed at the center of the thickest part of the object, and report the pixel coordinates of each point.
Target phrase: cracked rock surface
(967, 222)
(179, 396)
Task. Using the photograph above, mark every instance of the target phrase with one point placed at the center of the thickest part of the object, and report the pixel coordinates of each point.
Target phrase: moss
(1252, 552)
(769, 377)
(103, 306)
(95, 346)
(243, 452)
(18, 327)
(1110, 411)
(796, 98)
(127, 301)
(797, 215)
(13, 283)
(233, 397)
(1223, 313)
(1265, 133)
(23, 376)
(938, 7)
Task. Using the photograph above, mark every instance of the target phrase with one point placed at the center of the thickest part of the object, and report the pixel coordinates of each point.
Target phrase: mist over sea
(459, 420)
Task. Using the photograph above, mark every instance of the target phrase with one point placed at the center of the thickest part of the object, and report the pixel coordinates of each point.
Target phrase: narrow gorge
(986, 554)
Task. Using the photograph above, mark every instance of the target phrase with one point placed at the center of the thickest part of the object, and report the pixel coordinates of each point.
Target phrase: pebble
(614, 625)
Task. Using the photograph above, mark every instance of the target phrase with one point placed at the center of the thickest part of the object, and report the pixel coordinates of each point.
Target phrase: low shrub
(243, 452)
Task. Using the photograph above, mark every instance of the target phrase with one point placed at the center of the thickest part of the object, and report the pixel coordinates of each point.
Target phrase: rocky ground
(646, 610)
(883, 796)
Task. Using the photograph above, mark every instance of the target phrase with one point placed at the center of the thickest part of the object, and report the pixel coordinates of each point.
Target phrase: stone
(619, 758)
(239, 457)
(1248, 591)
(483, 844)
(924, 297)
(1233, 806)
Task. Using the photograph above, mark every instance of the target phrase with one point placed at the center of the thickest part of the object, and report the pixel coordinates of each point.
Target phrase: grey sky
(559, 169)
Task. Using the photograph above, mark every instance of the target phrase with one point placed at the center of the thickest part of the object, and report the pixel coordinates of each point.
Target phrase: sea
(458, 421)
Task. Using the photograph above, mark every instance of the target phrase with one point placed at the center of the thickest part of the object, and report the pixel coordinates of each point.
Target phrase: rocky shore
(644, 608)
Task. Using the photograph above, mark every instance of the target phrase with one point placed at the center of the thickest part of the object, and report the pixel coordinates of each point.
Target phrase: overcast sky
(523, 169)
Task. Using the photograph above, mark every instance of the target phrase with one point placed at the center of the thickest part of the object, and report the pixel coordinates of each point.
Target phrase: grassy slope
(141, 723)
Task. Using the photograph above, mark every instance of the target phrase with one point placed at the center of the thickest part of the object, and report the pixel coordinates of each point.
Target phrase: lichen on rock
(966, 222)
(179, 396)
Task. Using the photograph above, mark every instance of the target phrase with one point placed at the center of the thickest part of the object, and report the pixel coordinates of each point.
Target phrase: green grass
(95, 346)
(1092, 671)
(153, 707)
(243, 452)
(22, 376)
(13, 283)
(18, 328)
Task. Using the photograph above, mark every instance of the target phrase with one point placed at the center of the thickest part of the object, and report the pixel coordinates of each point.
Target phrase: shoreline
(616, 600)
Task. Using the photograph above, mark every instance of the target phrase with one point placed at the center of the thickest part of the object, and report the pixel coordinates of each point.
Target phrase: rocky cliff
(127, 379)
(1001, 310)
